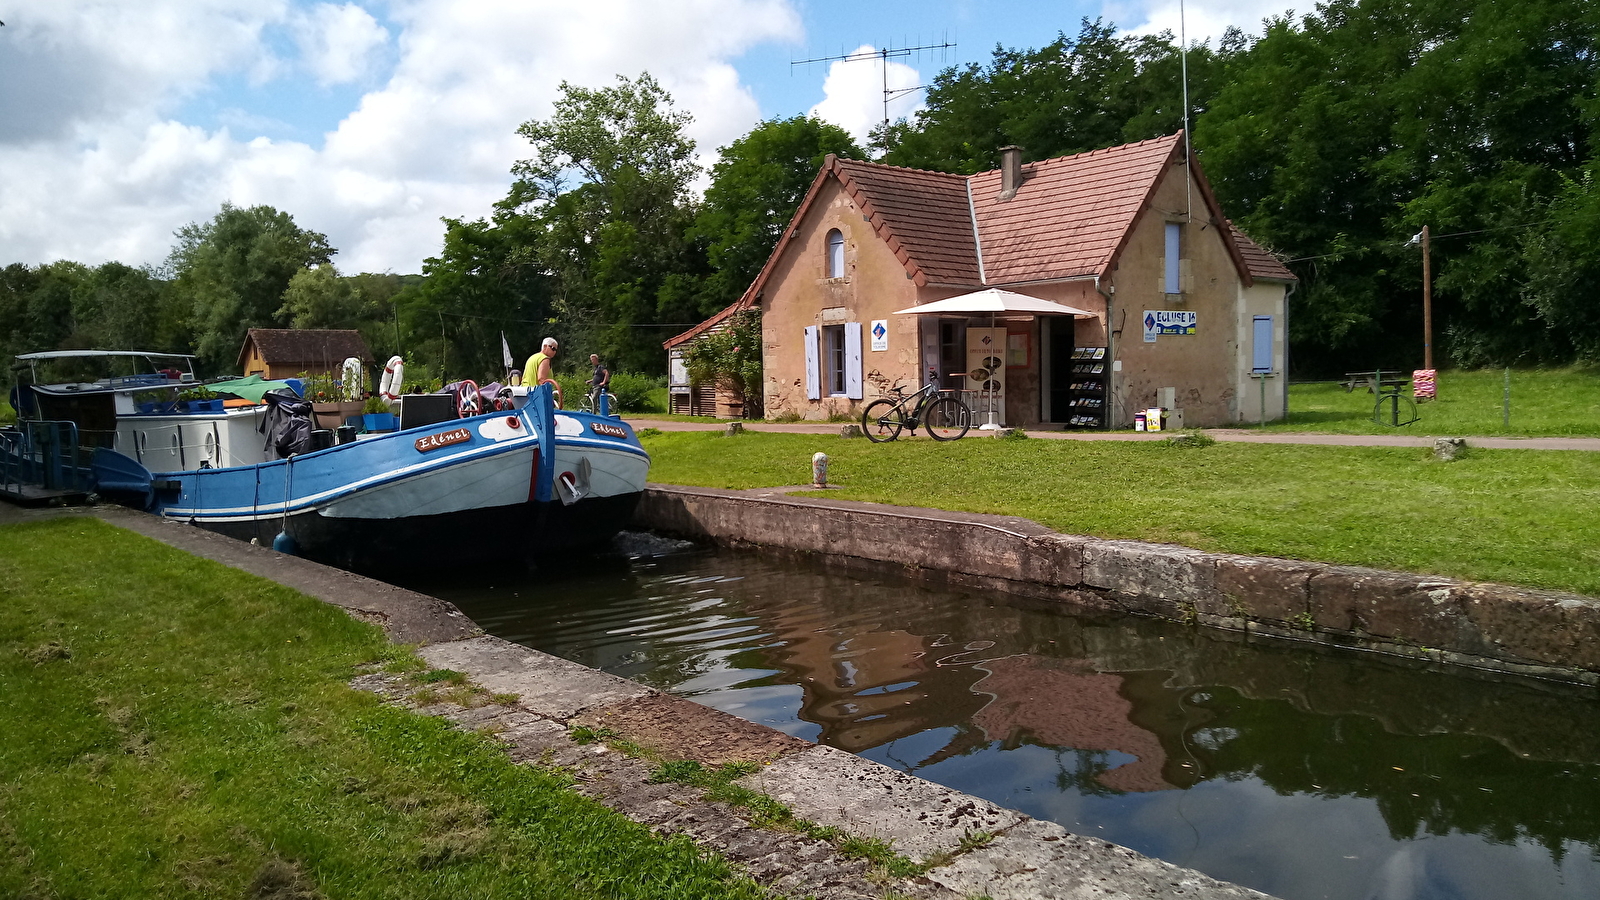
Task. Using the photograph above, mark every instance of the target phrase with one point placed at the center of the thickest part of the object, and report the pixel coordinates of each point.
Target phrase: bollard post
(819, 469)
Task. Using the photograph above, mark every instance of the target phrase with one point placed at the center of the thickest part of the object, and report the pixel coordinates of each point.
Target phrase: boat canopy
(250, 387)
(80, 354)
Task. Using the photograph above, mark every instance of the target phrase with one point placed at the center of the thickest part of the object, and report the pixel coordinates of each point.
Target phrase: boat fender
(394, 374)
(350, 373)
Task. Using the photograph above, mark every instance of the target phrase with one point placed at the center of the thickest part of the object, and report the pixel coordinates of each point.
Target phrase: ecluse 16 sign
(1167, 321)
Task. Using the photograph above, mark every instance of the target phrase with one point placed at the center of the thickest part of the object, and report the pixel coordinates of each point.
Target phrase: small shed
(286, 352)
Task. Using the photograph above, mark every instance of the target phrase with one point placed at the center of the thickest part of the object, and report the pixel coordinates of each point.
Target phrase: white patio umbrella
(992, 301)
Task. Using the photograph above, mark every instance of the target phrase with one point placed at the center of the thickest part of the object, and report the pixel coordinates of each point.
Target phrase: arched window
(835, 254)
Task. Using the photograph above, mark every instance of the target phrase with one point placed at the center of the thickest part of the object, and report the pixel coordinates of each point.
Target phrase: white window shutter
(813, 384)
(852, 360)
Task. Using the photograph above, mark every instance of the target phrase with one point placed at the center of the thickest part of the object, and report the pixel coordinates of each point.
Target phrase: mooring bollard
(819, 469)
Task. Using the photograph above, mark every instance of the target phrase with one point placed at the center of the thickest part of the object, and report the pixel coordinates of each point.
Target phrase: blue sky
(369, 120)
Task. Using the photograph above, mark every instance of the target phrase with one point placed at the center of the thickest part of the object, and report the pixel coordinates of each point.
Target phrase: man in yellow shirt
(538, 369)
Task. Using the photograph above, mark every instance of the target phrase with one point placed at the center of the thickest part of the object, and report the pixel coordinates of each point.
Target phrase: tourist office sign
(1158, 322)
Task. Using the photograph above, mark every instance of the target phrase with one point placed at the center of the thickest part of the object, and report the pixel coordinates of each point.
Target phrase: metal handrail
(43, 453)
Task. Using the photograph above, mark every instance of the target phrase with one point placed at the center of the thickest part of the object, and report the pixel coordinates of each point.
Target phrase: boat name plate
(443, 439)
(609, 430)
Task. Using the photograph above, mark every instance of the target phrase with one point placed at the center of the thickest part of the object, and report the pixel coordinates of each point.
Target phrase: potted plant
(200, 399)
(375, 415)
(327, 400)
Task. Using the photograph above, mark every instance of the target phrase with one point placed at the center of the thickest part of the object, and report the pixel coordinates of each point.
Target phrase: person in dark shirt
(598, 381)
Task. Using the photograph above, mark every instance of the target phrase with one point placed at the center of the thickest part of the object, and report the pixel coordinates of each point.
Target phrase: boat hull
(523, 532)
(504, 486)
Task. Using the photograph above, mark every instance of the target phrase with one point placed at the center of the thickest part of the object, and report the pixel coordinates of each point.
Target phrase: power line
(1382, 244)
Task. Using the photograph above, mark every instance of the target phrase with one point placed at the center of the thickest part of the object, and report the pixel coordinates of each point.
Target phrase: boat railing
(43, 454)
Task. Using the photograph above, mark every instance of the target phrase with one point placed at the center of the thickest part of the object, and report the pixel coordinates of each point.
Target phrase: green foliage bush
(635, 392)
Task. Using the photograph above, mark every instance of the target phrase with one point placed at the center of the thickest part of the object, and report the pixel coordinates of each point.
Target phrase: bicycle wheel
(947, 419)
(882, 421)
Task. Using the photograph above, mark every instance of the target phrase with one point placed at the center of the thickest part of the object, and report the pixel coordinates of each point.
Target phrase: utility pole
(1427, 304)
(883, 56)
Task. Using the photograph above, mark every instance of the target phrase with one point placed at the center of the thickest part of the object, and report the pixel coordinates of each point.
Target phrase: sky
(122, 122)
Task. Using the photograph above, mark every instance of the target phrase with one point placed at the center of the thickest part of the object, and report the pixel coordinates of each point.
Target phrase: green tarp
(250, 387)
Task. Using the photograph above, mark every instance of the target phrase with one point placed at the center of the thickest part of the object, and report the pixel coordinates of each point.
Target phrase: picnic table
(1376, 381)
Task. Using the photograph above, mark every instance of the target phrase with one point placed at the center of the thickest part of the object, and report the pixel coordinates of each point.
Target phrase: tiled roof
(1261, 262)
(1070, 218)
(922, 216)
(320, 348)
(1070, 215)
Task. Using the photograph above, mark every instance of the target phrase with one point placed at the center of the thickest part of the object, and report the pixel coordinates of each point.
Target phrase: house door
(1060, 336)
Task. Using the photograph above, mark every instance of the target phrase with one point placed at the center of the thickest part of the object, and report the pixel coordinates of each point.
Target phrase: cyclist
(598, 382)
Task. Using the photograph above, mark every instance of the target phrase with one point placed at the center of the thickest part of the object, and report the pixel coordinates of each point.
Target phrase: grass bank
(1511, 516)
(174, 728)
(1543, 403)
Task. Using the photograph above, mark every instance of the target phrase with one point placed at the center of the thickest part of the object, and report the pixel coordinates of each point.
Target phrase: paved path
(1237, 435)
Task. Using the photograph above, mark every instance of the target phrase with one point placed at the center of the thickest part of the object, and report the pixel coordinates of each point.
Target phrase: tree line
(1331, 139)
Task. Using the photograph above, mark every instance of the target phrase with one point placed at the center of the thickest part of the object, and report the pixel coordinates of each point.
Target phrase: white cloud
(1203, 21)
(339, 44)
(854, 92)
(97, 168)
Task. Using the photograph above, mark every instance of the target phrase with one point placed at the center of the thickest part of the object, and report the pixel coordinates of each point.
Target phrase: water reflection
(1301, 772)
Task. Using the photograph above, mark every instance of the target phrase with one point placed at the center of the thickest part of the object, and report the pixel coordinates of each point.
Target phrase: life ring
(394, 374)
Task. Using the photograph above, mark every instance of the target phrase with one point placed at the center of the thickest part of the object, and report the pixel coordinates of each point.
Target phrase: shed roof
(303, 346)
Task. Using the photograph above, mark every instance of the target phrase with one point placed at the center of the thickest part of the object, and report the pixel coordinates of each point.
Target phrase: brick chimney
(1010, 171)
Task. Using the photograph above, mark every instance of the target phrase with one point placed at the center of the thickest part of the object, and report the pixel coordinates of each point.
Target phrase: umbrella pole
(989, 387)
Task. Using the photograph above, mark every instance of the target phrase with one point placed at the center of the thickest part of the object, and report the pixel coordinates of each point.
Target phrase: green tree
(1341, 134)
(609, 184)
(487, 280)
(235, 269)
(1076, 94)
(756, 186)
(116, 306)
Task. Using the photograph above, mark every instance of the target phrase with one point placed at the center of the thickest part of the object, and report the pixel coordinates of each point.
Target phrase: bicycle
(945, 418)
(588, 404)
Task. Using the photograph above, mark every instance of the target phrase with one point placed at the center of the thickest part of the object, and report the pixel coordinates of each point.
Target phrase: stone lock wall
(1484, 625)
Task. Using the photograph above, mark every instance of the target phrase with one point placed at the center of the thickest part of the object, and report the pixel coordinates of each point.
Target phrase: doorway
(1060, 339)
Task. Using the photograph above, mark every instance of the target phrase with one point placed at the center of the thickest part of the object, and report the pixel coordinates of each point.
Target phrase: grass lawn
(1511, 516)
(174, 728)
(1544, 402)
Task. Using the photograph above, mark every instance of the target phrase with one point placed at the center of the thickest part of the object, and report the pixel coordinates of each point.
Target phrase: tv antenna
(883, 55)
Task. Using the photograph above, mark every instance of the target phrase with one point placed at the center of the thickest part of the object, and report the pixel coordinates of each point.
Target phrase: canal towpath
(1233, 435)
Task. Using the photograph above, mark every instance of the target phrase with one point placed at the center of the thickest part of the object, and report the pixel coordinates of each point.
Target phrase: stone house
(1165, 303)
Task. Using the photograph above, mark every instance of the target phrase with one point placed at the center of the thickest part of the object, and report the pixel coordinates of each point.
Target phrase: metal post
(1427, 304)
(1505, 402)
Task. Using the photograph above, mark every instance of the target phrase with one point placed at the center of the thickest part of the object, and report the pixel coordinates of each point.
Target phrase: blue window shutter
(1174, 285)
(1261, 345)
(852, 360)
(813, 384)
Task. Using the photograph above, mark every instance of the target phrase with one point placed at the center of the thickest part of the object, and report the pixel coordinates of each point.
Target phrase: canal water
(1299, 771)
